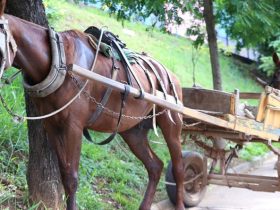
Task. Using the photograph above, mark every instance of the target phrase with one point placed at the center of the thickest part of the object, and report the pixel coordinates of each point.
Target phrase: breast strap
(57, 72)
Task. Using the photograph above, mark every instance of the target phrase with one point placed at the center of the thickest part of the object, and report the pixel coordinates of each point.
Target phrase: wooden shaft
(170, 103)
(252, 182)
(249, 186)
(244, 95)
(245, 178)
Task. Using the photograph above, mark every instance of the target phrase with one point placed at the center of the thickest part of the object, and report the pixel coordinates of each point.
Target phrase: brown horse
(65, 129)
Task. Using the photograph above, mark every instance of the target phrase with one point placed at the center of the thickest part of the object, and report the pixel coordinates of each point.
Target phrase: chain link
(106, 109)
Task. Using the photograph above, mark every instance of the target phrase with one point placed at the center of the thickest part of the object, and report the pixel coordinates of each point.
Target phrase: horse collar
(57, 73)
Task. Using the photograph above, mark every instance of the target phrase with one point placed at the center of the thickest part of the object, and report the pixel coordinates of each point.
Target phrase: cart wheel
(194, 191)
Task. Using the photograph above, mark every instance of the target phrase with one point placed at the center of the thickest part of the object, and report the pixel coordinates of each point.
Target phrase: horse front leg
(67, 144)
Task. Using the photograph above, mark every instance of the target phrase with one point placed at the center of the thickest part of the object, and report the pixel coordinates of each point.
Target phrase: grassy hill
(110, 176)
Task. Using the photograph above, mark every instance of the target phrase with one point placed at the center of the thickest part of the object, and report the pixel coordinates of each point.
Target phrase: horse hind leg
(172, 136)
(137, 140)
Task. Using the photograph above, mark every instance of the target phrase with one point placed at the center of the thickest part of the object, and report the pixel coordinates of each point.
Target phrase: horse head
(8, 46)
(276, 76)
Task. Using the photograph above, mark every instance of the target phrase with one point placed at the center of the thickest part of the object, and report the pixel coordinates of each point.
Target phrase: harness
(112, 41)
(6, 40)
(57, 72)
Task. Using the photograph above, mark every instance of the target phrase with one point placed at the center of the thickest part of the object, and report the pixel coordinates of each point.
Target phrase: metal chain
(106, 109)
(16, 117)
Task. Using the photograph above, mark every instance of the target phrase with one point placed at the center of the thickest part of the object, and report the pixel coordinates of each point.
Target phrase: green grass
(110, 176)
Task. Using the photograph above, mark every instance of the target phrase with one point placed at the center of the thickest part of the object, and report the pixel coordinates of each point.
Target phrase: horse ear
(2, 7)
(275, 59)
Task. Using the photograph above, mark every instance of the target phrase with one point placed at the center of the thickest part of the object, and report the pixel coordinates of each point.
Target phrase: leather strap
(153, 91)
(124, 96)
(170, 82)
(129, 69)
(155, 73)
(104, 100)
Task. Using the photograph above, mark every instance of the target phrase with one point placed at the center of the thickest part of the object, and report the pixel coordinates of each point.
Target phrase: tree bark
(43, 176)
(212, 41)
(208, 13)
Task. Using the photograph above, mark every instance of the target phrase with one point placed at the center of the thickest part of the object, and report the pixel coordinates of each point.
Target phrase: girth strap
(104, 100)
(124, 96)
(129, 69)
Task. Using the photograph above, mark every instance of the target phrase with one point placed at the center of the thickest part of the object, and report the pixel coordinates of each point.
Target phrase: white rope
(191, 125)
(157, 142)
(187, 182)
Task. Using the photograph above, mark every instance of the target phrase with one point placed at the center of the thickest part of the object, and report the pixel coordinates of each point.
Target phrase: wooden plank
(252, 182)
(269, 89)
(272, 118)
(249, 186)
(234, 102)
(267, 118)
(272, 113)
(170, 104)
(245, 178)
(209, 100)
(261, 108)
(246, 122)
(247, 95)
(273, 100)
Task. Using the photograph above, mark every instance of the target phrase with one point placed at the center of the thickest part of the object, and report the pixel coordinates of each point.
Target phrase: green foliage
(141, 10)
(244, 21)
(267, 64)
(197, 30)
(253, 150)
(13, 147)
(251, 22)
(52, 12)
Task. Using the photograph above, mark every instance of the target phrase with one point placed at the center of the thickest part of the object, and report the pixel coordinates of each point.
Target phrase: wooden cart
(216, 114)
(262, 123)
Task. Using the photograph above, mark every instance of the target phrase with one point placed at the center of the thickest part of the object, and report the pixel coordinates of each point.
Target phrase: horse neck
(34, 54)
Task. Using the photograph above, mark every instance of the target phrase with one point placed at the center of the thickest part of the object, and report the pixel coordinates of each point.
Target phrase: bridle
(7, 43)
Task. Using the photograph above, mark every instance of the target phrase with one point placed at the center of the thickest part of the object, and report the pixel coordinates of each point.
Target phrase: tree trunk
(212, 41)
(208, 13)
(43, 176)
